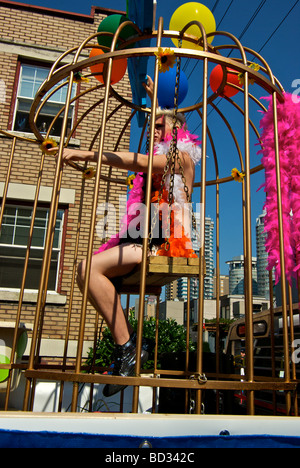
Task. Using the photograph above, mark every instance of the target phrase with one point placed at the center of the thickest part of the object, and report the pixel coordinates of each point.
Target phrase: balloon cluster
(186, 13)
(221, 78)
(166, 87)
(108, 28)
(231, 78)
(191, 12)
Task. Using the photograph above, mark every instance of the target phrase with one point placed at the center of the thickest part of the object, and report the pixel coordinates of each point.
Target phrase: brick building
(32, 38)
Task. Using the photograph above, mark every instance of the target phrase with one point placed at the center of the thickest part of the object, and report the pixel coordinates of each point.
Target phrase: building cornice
(60, 13)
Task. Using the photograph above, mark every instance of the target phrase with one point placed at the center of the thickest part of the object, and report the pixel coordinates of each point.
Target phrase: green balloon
(4, 372)
(21, 344)
(110, 24)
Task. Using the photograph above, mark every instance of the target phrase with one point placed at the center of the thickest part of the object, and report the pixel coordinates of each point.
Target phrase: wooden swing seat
(160, 271)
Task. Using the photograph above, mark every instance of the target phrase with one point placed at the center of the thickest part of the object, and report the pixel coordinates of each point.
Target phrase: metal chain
(174, 152)
(172, 157)
(188, 196)
(155, 217)
(169, 167)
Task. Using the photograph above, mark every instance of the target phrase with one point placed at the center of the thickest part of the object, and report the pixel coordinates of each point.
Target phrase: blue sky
(270, 27)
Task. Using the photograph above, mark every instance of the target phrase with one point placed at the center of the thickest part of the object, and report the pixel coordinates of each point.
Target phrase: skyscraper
(209, 258)
(262, 258)
(179, 288)
(237, 273)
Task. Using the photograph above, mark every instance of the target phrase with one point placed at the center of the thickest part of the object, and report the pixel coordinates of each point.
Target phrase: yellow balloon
(188, 12)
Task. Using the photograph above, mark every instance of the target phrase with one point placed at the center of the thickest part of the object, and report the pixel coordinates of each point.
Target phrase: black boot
(124, 365)
(147, 344)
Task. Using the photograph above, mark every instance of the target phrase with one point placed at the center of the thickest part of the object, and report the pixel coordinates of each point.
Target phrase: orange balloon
(119, 67)
(216, 78)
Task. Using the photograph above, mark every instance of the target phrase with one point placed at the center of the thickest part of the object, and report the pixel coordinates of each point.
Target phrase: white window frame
(58, 249)
(29, 99)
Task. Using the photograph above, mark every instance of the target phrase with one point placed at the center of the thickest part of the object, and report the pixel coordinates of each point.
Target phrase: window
(259, 329)
(31, 78)
(13, 243)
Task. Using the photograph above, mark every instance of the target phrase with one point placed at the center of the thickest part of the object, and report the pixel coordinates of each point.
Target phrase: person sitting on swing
(121, 254)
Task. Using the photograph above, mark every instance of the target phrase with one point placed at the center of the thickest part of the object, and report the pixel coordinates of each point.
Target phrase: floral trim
(166, 59)
(237, 175)
(89, 173)
(241, 76)
(47, 145)
(129, 181)
(80, 78)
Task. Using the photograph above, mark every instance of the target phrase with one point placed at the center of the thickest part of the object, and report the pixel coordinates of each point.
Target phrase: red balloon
(216, 78)
(119, 67)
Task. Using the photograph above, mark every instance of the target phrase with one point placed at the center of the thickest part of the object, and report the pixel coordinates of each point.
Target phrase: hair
(169, 117)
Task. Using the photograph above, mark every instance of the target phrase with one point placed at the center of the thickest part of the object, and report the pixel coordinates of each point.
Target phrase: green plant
(171, 338)
(224, 326)
(104, 350)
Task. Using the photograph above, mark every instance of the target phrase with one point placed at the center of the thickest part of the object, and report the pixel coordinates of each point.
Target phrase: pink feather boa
(137, 195)
(289, 148)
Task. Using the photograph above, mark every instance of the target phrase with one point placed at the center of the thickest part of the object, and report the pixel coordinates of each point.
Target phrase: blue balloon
(166, 88)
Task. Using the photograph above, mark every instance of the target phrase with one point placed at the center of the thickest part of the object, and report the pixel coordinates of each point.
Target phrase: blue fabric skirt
(23, 439)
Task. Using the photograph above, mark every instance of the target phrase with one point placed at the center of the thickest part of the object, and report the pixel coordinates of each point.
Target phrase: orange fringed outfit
(177, 244)
(178, 239)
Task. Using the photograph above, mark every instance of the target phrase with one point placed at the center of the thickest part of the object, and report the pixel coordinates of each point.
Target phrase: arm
(149, 87)
(135, 162)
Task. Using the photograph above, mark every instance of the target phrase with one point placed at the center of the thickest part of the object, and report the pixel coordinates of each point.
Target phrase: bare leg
(106, 265)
